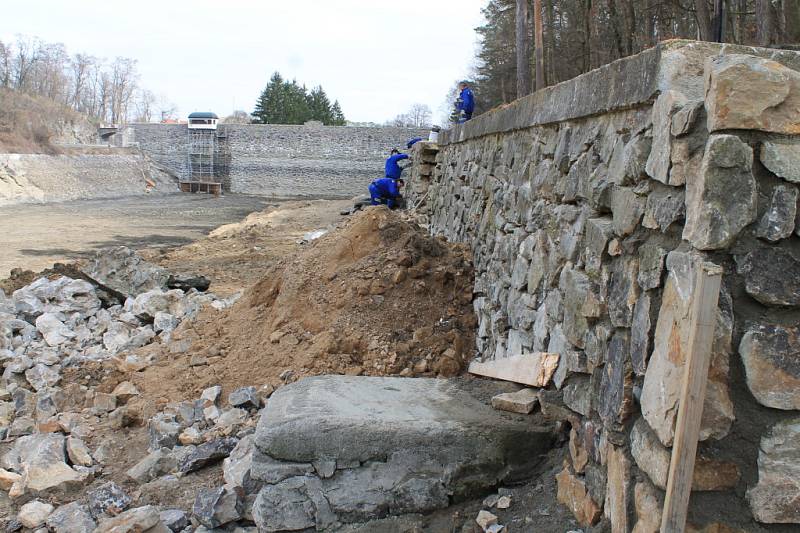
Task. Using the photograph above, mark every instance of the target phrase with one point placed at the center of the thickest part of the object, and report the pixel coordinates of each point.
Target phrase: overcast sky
(376, 57)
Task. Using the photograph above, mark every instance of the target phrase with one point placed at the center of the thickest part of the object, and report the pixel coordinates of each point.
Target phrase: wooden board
(693, 393)
(535, 369)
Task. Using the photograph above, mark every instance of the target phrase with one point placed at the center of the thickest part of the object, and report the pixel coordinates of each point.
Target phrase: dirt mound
(377, 296)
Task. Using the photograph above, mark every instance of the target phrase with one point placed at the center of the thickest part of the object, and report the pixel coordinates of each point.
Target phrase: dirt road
(33, 236)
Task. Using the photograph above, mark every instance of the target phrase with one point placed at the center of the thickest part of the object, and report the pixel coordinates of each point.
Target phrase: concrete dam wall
(285, 161)
(589, 207)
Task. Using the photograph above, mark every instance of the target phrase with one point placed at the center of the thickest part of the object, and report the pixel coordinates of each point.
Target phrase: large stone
(653, 459)
(771, 357)
(53, 330)
(627, 208)
(523, 401)
(776, 497)
(648, 508)
(623, 290)
(399, 445)
(745, 92)
(778, 221)
(294, 504)
(658, 162)
(246, 397)
(122, 271)
(163, 431)
(40, 459)
(206, 454)
(664, 375)
(42, 377)
(153, 465)
(236, 468)
(598, 232)
(665, 206)
(640, 333)
(772, 276)
(573, 494)
(782, 158)
(109, 499)
(71, 518)
(615, 397)
(722, 199)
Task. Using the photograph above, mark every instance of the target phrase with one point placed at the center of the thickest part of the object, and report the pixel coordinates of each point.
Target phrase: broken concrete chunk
(751, 93)
(523, 401)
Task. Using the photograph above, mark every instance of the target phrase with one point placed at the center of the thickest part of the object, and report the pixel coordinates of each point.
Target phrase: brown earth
(377, 296)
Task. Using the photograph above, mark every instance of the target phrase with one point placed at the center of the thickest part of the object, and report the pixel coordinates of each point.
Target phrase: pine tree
(338, 116)
(320, 106)
(269, 106)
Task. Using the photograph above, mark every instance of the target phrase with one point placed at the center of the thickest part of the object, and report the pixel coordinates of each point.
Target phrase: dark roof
(203, 114)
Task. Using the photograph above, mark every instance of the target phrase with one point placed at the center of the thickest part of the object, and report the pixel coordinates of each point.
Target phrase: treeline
(287, 102)
(107, 91)
(580, 35)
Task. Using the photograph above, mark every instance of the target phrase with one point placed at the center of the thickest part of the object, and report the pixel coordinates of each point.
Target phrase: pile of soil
(376, 296)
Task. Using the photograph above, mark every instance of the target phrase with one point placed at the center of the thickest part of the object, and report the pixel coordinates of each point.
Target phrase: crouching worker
(386, 191)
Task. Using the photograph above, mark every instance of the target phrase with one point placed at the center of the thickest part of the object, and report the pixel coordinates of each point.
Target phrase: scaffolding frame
(208, 161)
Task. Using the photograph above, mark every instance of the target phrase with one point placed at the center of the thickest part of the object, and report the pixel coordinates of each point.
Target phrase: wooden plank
(693, 393)
(534, 369)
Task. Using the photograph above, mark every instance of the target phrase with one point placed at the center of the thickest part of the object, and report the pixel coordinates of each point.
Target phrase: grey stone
(722, 200)
(665, 205)
(236, 468)
(615, 397)
(772, 276)
(627, 208)
(107, 499)
(598, 232)
(71, 518)
(578, 394)
(123, 272)
(206, 454)
(163, 431)
(54, 331)
(771, 357)
(288, 506)
(42, 377)
(175, 519)
(265, 468)
(164, 322)
(640, 334)
(246, 397)
(658, 162)
(623, 290)
(651, 265)
(380, 427)
(778, 221)
(34, 513)
(155, 464)
(782, 158)
(131, 521)
(42, 458)
(217, 507)
(774, 500)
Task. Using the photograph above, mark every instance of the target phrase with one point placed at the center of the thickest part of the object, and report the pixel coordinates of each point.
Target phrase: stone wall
(589, 207)
(286, 161)
(35, 178)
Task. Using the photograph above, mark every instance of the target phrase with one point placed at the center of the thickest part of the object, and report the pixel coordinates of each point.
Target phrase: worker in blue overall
(386, 191)
(393, 170)
(465, 104)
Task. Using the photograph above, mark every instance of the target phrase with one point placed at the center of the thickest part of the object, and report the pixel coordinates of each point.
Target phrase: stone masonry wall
(589, 206)
(287, 161)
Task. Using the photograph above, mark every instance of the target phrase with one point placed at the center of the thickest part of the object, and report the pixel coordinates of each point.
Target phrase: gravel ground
(33, 236)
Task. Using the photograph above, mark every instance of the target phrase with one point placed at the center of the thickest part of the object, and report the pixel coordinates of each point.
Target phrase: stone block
(648, 508)
(667, 104)
(778, 221)
(623, 290)
(618, 489)
(664, 375)
(782, 158)
(573, 494)
(523, 401)
(627, 209)
(771, 357)
(746, 92)
(772, 276)
(665, 205)
(615, 397)
(776, 497)
(722, 199)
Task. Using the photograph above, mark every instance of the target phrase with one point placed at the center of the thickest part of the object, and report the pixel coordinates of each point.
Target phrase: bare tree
(145, 101)
(238, 117)
(419, 116)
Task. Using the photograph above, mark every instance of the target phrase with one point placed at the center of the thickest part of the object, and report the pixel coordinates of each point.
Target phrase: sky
(376, 57)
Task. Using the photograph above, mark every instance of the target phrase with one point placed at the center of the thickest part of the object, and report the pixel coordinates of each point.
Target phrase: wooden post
(538, 43)
(693, 393)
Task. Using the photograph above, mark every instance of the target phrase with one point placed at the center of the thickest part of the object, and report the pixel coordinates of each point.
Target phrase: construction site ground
(268, 243)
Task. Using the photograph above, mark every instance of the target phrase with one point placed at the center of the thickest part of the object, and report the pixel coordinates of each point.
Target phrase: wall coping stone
(623, 84)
